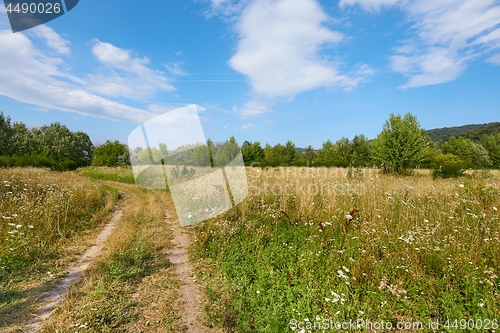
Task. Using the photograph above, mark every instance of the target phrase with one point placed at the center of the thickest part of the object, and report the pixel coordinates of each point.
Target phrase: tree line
(401, 145)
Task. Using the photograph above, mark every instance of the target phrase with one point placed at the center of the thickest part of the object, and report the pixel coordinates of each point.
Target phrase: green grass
(417, 250)
(118, 174)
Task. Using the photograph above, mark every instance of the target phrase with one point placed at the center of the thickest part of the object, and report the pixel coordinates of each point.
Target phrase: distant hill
(473, 132)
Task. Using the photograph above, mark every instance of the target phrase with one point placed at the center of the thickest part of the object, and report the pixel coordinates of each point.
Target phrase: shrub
(449, 170)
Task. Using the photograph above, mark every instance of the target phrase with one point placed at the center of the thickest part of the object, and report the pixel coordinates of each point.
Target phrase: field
(46, 218)
(308, 248)
(312, 247)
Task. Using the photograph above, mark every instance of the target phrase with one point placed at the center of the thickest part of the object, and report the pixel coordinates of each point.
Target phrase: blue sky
(266, 70)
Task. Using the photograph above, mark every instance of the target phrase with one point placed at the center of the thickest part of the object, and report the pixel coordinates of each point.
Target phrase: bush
(449, 170)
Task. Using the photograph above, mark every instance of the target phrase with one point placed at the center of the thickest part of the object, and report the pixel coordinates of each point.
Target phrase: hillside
(474, 131)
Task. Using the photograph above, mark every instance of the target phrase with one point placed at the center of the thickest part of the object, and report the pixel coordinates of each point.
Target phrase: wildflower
(383, 303)
(189, 216)
(383, 283)
(257, 291)
(342, 274)
(495, 209)
(461, 185)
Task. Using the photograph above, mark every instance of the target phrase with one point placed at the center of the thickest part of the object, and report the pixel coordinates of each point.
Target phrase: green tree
(290, 155)
(111, 154)
(402, 144)
(22, 140)
(309, 155)
(252, 152)
(467, 150)
(361, 151)
(5, 135)
(492, 144)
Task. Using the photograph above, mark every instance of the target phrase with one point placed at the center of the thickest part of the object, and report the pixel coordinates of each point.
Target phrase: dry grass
(131, 287)
(46, 220)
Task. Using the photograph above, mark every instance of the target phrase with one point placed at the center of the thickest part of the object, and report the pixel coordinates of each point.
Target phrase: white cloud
(279, 50)
(247, 126)
(279, 45)
(447, 34)
(255, 107)
(225, 8)
(52, 38)
(30, 76)
(495, 60)
(369, 4)
(134, 79)
(176, 68)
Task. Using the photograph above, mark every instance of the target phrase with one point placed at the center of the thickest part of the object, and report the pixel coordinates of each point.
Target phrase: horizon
(251, 72)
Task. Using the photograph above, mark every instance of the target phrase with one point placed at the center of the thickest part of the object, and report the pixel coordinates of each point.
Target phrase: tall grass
(330, 244)
(39, 211)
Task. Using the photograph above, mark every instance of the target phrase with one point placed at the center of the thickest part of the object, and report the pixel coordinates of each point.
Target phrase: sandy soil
(51, 298)
(189, 291)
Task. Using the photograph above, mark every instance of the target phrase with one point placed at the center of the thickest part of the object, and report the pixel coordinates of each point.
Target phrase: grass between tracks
(132, 286)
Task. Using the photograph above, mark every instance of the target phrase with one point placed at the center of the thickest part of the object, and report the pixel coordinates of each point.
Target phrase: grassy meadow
(46, 219)
(315, 246)
(131, 287)
(307, 247)
(119, 174)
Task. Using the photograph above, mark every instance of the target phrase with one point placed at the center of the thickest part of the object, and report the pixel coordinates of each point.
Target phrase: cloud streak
(447, 35)
(130, 77)
(35, 78)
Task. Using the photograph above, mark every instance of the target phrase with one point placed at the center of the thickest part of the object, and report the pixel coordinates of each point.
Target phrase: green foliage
(448, 170)
(281, 155)
(468, 151)
(492, 144)
(402, 144)
(5, 135)
(53, 146)
(468, 131)
(111, 154)
(252, 152)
